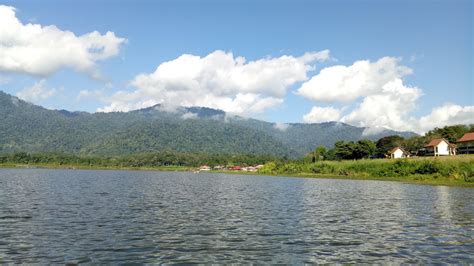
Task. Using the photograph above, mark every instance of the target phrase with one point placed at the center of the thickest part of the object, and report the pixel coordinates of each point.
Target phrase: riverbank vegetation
(365, 159)
(347, 159)
(450, 170)
(162, 160)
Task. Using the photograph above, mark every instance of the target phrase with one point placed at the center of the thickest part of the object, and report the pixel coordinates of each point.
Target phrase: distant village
(438, 147)
(231, 168)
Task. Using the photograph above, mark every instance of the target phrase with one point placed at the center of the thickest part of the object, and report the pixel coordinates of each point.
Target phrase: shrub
(428, 167)
(268, 168)
(345, 172)
(322, 168)
(466, 170)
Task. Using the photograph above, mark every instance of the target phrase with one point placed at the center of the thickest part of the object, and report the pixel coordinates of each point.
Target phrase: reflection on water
(58, 216)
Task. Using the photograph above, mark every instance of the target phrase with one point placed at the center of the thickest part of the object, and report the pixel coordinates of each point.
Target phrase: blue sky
(431, 38)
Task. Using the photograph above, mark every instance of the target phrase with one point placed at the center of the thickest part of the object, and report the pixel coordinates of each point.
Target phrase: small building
(398, 152)
(251, 169)
(440, 147)
(204, 168)
(466, 144)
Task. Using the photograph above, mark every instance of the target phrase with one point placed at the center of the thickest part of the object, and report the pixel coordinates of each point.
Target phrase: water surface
(62, 216)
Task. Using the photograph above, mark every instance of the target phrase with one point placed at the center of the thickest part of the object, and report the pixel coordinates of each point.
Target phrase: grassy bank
(455, 170)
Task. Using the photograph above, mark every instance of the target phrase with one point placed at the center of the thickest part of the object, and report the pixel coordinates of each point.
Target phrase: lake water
(75, 216)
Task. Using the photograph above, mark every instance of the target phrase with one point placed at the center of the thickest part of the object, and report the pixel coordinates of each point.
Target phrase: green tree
(414, 144)
(450, 133)
(387, 143)
(320, 152)
(364, 149)
(344, 150)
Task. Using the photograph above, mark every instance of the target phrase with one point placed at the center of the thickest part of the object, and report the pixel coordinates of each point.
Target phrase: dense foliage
(450, 133)
(25, 127)
(147, 160)
(354, 150)
(387, 143)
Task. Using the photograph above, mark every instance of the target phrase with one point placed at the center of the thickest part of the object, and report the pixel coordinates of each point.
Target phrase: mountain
(28, 127)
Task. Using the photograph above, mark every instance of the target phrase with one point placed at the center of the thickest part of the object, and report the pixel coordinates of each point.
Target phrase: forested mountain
(32, 128)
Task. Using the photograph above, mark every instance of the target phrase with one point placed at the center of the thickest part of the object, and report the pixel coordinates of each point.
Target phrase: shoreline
(415, 180)
(426, 180)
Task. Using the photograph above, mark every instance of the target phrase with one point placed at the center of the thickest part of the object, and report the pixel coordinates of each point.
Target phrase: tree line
(353, 150)
(342, 150)
(160, 159)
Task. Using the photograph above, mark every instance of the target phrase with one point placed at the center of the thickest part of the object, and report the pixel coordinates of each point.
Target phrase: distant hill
(31, 128)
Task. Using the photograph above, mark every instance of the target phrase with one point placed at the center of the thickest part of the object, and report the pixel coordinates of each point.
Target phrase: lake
(88, 216)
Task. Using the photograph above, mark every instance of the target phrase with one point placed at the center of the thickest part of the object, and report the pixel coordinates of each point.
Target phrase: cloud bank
(219, 80)
(42, 50)
(385, 100)
(373, 93)
(347, 83)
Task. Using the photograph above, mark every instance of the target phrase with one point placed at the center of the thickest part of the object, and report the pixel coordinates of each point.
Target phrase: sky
(402, 65)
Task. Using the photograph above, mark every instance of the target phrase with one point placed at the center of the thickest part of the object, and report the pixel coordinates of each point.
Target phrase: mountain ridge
(33, 128)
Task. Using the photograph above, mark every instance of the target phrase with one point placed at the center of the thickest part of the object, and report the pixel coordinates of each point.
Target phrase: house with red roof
(440, 147)
(466, 143)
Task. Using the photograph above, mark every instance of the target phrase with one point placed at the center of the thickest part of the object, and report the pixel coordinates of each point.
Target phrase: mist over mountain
(31, 128)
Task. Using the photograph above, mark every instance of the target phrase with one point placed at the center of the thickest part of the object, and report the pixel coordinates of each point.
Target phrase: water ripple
(96, 217)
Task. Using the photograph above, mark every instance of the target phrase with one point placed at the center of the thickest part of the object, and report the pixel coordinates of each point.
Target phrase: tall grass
(459, 168)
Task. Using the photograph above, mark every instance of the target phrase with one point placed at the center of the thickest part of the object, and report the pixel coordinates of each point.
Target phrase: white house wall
(443, 148)
(398, 154)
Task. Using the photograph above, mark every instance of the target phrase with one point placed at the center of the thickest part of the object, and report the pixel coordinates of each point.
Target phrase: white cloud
(322, 114)
(448, 114)
(347, 83)
(389, 108)
(42, 50)
(189, 115)
(387, 103)
(281, 126)
(218, 80)
(15, 101)
(37, 92)
(368, 131)
(123, 101)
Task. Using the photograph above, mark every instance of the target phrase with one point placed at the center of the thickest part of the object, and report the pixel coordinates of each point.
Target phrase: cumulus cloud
(322, 114)
(37, 92)
(389, 108)
(385, 101)
(347, 83)
(42, 50)
(448, 114)
(219, 80)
